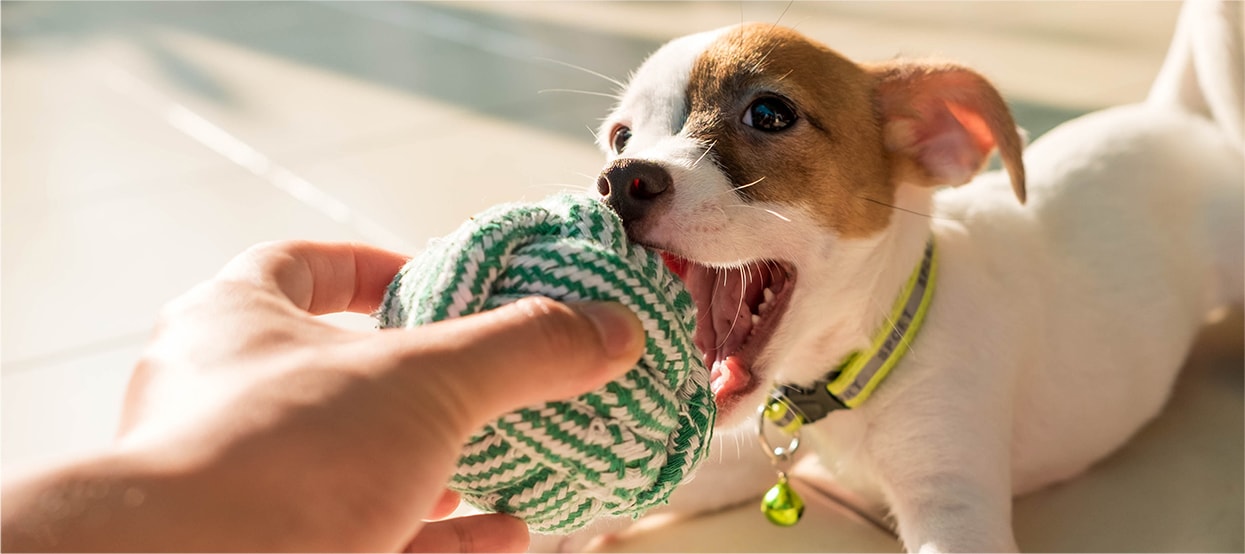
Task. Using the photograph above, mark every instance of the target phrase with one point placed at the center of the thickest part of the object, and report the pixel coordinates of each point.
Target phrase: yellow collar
(857, 376)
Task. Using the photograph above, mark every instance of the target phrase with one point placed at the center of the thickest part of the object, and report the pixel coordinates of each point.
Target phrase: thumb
(530, 351)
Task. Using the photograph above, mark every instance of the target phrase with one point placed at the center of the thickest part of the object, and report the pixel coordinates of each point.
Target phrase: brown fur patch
(832, 161)
(836, 161)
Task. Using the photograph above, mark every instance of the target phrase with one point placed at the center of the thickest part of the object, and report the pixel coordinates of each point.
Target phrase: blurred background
(146, 143)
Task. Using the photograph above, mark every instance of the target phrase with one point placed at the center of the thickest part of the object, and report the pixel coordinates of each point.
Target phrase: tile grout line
(450, 28)
(247, 157)
(23, 365)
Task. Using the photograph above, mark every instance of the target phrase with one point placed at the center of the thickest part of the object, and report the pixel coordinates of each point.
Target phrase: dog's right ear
(944, 120)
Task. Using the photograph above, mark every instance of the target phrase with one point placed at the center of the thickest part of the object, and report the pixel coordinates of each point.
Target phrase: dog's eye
(770, 114)
(619, 139)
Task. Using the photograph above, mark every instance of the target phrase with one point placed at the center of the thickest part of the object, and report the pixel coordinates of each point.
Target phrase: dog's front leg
(947, 479)
(952, 512)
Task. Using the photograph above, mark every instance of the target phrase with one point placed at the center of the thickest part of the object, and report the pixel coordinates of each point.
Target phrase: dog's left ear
(945, 119)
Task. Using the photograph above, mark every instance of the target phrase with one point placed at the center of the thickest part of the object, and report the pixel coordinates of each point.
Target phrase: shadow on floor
(492, 64)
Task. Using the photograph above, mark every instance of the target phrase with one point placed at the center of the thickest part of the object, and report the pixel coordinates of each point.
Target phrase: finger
(479, 533)
(319, 277)
(529, 351)
(445, 505)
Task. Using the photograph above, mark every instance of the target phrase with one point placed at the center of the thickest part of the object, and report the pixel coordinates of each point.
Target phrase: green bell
(781, 505)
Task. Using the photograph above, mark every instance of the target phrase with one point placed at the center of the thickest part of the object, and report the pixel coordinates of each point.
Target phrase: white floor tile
(276, 104)
(1175, 487)
(1077, 56)
(89, 274)
(71, 139)
(825, 527)
(62, 409)
(146, 143)
(313, 78)
(426, 187)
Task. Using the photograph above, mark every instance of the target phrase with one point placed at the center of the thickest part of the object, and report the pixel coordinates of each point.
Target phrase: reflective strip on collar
(860, 374)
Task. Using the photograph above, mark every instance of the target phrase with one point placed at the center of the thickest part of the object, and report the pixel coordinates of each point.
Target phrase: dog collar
(856, 377)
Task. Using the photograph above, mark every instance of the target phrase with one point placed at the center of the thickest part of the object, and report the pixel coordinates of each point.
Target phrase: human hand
(269, 429)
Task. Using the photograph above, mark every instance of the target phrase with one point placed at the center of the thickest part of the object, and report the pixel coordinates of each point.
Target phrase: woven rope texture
(618, 450)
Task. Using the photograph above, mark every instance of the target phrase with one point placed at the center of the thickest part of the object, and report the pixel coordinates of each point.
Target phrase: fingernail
(616, 325)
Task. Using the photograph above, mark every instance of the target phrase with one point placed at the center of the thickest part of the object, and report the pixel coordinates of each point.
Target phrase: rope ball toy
(618, 450)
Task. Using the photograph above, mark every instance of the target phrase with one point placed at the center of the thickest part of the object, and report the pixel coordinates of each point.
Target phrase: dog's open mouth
(738, 310)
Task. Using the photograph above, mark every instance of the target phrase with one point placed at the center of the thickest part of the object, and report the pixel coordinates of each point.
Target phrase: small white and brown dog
(790, 187)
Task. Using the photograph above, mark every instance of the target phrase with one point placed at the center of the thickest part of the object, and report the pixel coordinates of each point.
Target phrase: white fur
(653, 105)
(1201, 72)
(1058, 326)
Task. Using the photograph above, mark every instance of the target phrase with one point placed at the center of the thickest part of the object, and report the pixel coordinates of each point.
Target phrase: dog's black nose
(632, 186)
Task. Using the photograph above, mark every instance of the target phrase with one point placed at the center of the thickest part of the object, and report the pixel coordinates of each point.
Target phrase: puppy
(798, 193)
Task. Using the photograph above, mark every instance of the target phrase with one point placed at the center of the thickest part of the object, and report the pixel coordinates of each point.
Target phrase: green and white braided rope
(618, 450)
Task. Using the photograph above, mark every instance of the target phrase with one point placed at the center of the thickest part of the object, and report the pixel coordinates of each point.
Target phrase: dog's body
(1057, 325)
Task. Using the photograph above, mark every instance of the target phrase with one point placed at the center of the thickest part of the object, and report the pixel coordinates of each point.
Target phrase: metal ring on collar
(775, 453)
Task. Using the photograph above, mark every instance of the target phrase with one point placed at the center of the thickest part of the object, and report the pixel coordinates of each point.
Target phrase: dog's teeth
(756, 319)
(769, 294)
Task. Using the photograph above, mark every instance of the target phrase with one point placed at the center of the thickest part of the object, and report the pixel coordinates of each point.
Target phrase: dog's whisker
(777, 215)
(905, 210)
(894, 328)
(758, 66)
(595, 137)
(746, 277)
(743, 278)
(616, 82)
(591, 187)
(562, 186)
(713, 297)
(577, 91)
(727, 335)
(742, 187)
(766, 210)
(703, 154)
(761, 62)
(768, 266)
(781, 15)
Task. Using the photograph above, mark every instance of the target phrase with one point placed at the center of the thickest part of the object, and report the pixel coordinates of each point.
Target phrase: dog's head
(752, 156)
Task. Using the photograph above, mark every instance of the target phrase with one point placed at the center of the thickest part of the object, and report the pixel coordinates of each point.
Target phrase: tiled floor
(146, 143)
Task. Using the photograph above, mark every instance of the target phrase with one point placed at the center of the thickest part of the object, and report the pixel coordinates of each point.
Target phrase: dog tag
(781, 505)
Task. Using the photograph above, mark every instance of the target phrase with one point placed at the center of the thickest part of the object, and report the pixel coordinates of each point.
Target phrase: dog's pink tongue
(676, 264)
(728, 376)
